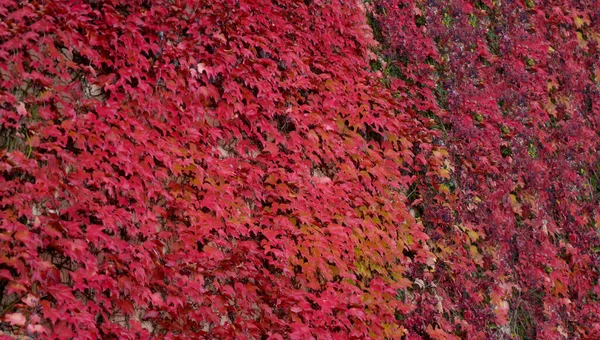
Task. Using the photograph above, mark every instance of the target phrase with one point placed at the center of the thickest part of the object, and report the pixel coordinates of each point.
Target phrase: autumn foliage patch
(517, 91)
(299, 169)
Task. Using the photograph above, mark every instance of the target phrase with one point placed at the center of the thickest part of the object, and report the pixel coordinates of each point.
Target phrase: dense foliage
(191, 169)
(286, 169)
(517, 91)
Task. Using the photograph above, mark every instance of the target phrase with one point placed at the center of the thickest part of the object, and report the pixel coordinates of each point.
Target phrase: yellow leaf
(473, 235)
(516, 206)
(440, 153)
(581, 40)
(444, 173)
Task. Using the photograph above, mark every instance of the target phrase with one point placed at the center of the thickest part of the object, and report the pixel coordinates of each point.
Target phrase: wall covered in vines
(277, 169)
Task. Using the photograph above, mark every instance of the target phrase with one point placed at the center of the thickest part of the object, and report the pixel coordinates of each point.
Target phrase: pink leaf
(16, 319)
